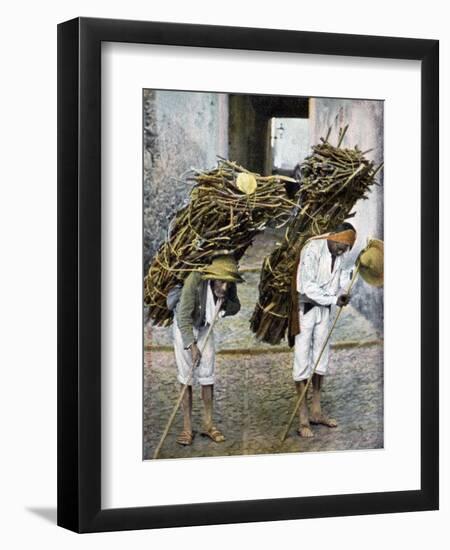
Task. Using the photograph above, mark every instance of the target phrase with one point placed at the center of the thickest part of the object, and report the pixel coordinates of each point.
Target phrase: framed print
(248, 275)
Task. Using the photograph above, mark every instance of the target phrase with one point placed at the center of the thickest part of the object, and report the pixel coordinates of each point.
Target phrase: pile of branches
(219, 218)
(332, 180)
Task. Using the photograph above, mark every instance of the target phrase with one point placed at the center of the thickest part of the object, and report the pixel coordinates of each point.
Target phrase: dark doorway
(253, 133)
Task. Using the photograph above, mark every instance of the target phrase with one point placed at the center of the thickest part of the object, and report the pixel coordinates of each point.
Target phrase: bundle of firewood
(332, 180)
(227, 208)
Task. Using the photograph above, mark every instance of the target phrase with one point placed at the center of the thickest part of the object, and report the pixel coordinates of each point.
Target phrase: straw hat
(222, 268)
(371, 263)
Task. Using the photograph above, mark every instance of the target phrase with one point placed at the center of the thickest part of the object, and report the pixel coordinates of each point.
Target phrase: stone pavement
(254, 391)
(254, 397)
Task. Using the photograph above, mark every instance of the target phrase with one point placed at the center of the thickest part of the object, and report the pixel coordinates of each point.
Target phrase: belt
(307, 306)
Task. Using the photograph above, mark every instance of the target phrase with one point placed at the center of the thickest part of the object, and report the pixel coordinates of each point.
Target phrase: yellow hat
(222, 268)
(371, 263)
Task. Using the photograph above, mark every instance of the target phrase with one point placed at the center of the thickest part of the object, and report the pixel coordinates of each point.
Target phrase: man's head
(336, 248)
(341, 239)
(222, 272)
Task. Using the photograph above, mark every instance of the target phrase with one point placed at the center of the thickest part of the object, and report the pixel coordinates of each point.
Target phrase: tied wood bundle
(228, 206)
(332, 180)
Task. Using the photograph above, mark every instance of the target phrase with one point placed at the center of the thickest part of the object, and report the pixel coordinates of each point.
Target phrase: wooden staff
(191, 372)
(305, 389)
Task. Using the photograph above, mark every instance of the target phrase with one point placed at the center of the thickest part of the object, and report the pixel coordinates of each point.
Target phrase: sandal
(324, 420)
(185, 438)
(305, 431)
(215, 434)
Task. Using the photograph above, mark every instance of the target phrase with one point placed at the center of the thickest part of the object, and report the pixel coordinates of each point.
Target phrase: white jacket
(315, 281)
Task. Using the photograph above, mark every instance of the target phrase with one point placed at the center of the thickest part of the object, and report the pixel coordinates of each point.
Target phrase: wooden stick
(305, 389)
(341, 135)
(183, 391)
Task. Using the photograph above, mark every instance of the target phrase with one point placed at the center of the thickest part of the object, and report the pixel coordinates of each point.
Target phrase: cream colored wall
(366, 129)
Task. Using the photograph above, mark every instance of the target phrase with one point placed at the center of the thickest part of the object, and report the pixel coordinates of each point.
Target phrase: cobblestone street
(254, 397)
(254, 390)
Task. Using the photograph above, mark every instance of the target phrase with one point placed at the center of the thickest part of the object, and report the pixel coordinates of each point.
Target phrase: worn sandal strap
(214, 433)
(323, 419)
(185, 437)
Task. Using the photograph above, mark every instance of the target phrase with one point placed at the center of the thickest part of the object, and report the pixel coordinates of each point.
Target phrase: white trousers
(314, 327)
(204, 371)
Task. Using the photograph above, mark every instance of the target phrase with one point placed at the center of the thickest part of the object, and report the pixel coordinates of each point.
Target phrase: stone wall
(182, 130)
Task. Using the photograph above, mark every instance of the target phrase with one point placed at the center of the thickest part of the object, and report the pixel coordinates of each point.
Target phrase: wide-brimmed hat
(371, 263)
(222, 268)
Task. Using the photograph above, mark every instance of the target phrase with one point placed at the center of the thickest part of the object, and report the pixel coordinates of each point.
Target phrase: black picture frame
(79, 274)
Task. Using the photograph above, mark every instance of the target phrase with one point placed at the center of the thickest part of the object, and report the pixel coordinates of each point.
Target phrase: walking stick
(191, 372)
(305, 389)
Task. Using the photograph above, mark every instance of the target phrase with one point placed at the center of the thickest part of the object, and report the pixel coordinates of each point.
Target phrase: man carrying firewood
(318, 285)
(194, 314)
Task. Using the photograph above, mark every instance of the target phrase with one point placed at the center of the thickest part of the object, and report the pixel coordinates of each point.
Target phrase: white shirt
(210, 309)
(315, 280)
